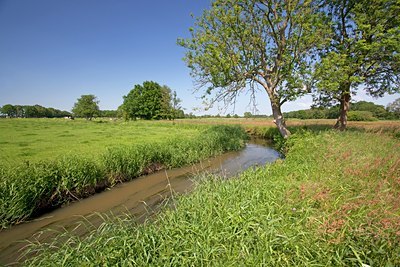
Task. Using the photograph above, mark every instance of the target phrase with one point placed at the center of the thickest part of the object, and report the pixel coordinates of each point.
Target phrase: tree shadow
(318, 128)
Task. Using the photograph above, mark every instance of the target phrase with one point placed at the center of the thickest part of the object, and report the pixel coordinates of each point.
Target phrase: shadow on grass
(378, 129)
(272, 133)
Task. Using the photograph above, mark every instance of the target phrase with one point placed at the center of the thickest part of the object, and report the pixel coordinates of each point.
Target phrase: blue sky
(54, 51)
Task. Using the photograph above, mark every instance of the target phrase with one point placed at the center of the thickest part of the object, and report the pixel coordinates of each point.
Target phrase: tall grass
(31, 188)
(332, 202)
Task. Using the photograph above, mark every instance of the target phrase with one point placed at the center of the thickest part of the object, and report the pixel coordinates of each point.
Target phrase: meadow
(40, 139)
(333, 201)
(69, 160)
(381, 126)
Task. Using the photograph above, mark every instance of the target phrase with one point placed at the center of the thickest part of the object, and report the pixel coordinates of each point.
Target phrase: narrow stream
(139, 197)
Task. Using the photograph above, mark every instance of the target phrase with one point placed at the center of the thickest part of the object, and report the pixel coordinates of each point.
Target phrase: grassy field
(333, 201)
(64, 167)
(38, 139)
(392, 126)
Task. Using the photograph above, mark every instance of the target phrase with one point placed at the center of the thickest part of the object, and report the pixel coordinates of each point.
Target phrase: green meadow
(39, 139)
(47, 163)
(333, 201)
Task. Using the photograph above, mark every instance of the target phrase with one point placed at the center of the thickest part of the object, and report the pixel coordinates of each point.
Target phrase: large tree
(240, 45)
(363, 52)
(148, 101)
(86, 107)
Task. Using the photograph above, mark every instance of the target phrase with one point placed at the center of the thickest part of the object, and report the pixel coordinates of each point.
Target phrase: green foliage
(175, 106)
(86, 107)
(360, 116)
(247, 115)
(8, 110)
(377, 112)
(363, 52)
(35, 111)
(27, 189)
(394, 107)
(314, 113)
(312, 209)
(108, 113)
(151, 101)
(238, 44)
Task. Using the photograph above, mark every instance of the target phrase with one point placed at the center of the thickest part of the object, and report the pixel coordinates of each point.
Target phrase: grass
(41, 139)
(30, 188)
(334, 201)
(391, 127)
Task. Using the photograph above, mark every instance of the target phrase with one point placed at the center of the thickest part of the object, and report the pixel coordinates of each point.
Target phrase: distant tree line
(36, 111)
(147, 101)
(360, 111)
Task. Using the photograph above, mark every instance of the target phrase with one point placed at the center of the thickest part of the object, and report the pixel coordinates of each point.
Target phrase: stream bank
(140, 197)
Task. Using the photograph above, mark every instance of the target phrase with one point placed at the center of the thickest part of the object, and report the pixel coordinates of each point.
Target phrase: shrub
(360, 116)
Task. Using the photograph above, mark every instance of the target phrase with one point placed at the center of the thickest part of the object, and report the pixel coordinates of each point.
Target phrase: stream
(139, 197)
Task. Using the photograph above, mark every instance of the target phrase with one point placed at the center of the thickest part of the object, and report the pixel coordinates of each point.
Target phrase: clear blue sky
(54, 51)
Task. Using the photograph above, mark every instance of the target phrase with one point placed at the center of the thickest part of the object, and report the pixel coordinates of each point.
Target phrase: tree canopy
(86, 107)
(150, 101)
(394, 107)
(363, 52)
(242, 45)
(361, 110)
(36, 111)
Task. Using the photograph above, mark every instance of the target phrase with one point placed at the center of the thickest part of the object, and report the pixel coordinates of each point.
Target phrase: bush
(360, 116)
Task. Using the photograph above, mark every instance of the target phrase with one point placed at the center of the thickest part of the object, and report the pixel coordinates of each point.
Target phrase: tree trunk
(341, 122)
(279, 120)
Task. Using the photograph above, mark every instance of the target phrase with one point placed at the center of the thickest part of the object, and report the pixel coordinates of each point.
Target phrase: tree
(176, 109)
(86, 107)
(108, 113)
(243, 45)
(394, 107)
(9, 110)
(378, 111)
(166, 111)
(247, 115)
(149, 101)
(363, 52)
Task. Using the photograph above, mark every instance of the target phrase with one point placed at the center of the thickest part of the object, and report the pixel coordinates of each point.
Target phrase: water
(140, 197)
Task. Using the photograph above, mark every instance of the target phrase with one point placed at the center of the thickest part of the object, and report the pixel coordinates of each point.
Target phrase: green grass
(39, 139)
(334, 201)
(33, 187)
